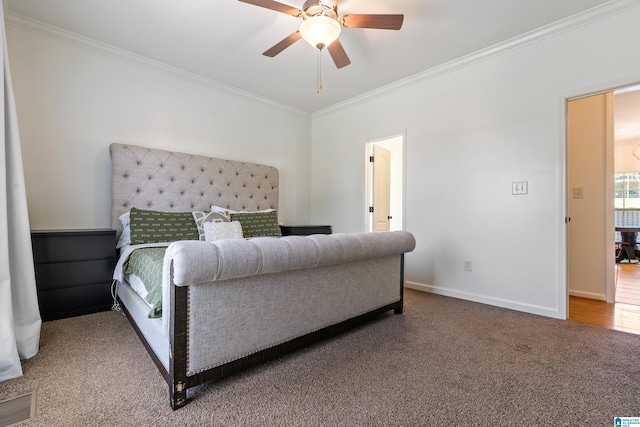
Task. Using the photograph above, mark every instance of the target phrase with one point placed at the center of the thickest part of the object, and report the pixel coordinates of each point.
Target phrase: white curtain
(19, 314)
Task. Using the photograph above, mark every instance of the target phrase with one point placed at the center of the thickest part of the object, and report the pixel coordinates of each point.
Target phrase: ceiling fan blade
(338, 54)
(274, 5)
(381, 22)
(283, 44)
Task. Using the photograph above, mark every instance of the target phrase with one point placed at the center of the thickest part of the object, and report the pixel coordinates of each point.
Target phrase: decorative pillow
(227, 212)
(256, 224)
(202, 217)
(222, 230)
(125, 237)
(155, 226)
(222, 211)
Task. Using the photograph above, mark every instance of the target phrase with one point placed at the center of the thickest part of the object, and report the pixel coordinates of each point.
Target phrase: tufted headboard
(148, 178)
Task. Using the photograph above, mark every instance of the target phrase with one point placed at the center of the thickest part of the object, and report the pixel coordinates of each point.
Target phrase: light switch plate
(520, 187)
(578, 193)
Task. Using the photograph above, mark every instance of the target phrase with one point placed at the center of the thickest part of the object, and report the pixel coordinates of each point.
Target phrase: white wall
(472, 131)
(626, 160)
(73, 101)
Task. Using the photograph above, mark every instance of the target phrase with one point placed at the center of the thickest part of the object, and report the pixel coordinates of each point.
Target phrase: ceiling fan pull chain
(319, 73)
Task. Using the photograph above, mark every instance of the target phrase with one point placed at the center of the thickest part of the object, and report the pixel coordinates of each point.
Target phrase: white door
(381, 188)
(590, 241)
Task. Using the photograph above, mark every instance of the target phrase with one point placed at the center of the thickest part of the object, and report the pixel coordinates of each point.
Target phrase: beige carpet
(443, 362)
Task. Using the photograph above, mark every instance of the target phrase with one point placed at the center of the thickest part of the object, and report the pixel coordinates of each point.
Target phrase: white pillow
(125, 237)
(227, 212)
(222, 230)
(201, 217)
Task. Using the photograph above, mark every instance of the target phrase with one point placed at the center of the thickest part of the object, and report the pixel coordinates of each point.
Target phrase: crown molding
(597, 13)
(68, 37)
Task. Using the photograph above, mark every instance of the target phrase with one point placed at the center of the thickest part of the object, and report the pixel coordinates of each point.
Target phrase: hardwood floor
(624, 315)
(628, 283)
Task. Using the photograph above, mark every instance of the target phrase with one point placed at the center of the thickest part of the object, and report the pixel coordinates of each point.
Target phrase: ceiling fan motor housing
(318, 7)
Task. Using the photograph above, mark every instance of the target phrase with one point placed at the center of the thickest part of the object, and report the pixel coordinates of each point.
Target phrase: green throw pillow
(255, 224)
(155, 226)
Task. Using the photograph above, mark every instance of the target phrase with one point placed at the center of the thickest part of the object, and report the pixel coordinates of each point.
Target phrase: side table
(73, 271)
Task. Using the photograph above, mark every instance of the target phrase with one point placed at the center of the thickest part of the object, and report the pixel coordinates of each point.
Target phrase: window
(627, 200)
(626, 188)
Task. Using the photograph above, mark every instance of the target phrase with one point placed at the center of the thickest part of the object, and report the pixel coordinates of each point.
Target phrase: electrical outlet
(467, 265)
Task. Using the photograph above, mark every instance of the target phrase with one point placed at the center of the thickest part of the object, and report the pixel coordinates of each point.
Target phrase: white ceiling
(223, 40)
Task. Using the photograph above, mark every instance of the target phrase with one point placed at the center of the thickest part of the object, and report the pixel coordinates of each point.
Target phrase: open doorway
(627, 193)
(384, 181)
(603, 205)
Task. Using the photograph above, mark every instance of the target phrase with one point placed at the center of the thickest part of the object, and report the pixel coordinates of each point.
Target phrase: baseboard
(553, 312)
(590, 295)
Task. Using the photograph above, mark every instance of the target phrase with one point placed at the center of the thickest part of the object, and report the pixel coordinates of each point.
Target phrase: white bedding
(137, 285)
(150, 328)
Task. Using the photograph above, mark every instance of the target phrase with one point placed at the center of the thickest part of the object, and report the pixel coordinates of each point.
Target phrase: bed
(228, 303)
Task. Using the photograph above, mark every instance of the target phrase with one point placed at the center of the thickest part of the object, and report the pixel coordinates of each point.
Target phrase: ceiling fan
(321, 26)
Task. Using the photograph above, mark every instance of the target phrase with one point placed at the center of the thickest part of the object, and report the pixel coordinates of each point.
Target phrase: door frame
(368, 183)
(563, 229)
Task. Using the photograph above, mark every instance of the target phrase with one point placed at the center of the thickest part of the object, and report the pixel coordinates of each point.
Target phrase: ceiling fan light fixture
(320, 31)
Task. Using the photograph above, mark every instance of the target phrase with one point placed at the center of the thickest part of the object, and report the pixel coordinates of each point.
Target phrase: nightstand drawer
(71, 274)
(61, 303)
(59, 246)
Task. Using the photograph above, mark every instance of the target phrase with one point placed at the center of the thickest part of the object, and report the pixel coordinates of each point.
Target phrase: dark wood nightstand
(73, 271)
(304, 230)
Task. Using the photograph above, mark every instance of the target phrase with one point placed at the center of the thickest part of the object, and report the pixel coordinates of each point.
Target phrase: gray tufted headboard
(148, 178)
